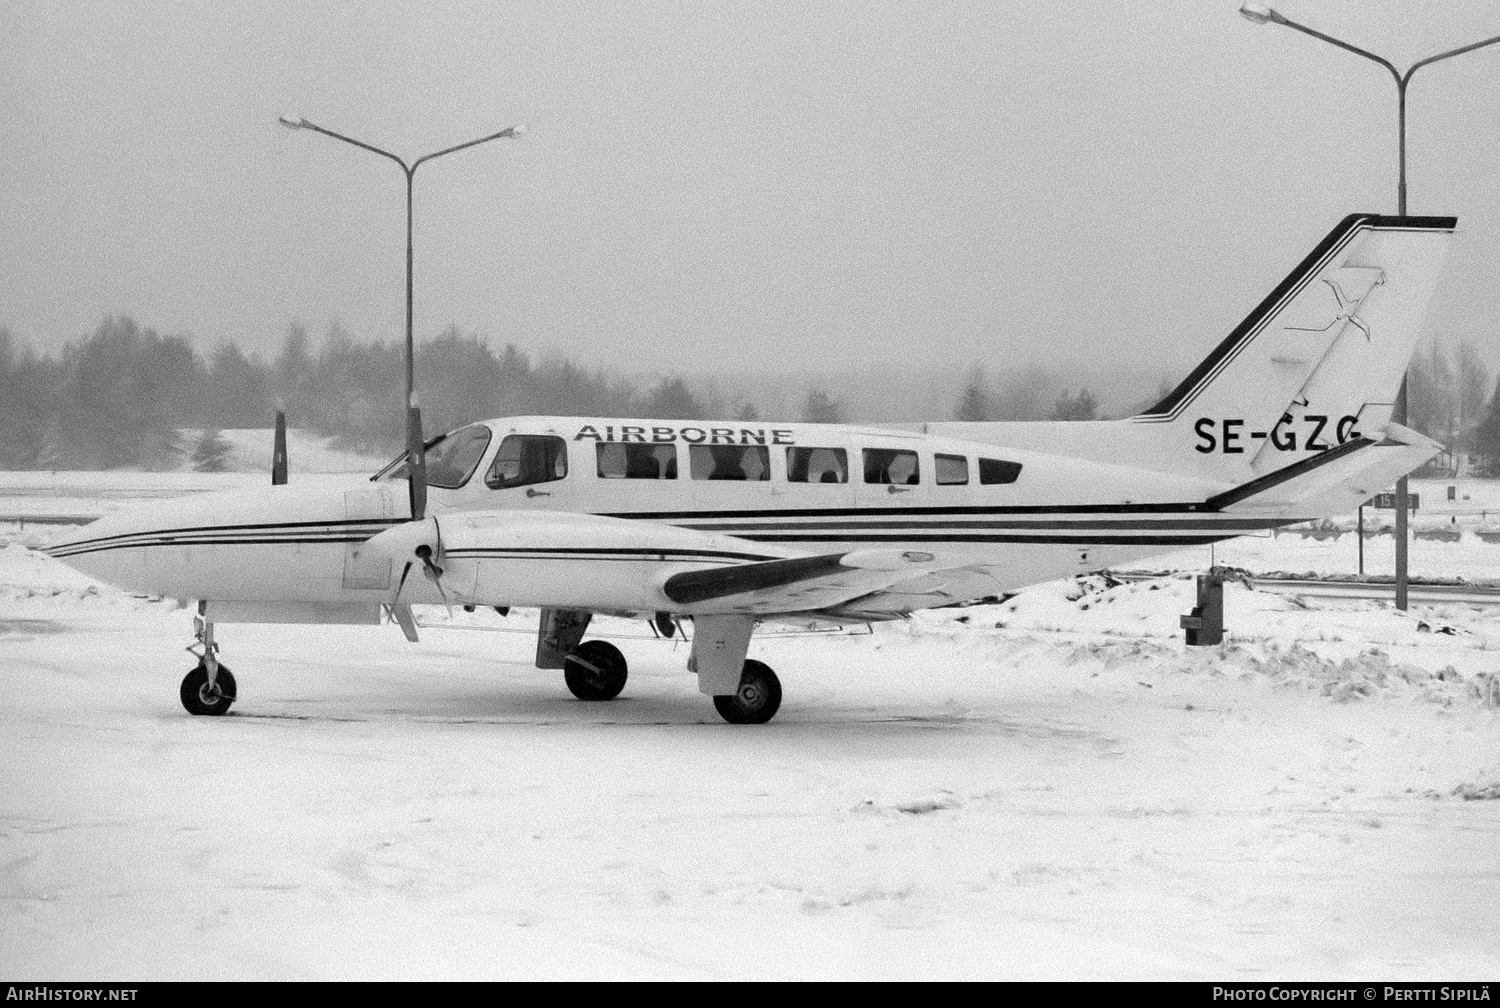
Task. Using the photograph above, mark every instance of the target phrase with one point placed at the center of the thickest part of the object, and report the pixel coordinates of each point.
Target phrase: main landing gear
(743, 690)
(209, 688)
(758, 698)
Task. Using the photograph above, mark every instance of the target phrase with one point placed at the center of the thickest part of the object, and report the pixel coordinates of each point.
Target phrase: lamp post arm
(358, 143)
(1281, 19)
(509, 131)
(1451, 52)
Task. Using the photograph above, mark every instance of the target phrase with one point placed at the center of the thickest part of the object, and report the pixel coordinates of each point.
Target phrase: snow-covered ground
(1052, 787)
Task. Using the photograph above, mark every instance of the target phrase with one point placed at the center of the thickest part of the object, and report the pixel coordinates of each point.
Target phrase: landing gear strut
(209, 688)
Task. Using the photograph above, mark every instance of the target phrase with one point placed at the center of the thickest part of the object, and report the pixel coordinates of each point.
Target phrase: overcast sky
(759, 186)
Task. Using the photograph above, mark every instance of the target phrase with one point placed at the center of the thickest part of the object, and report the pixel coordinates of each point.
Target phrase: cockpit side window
(637, 461)
(450, 459)
(996, 471)
(730, 462)
(524, 459)
(817, 465)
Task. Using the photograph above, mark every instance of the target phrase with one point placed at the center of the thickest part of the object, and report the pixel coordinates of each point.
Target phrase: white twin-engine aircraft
(732, 524)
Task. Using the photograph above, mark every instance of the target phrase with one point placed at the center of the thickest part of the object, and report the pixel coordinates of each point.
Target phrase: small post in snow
(1205, 624)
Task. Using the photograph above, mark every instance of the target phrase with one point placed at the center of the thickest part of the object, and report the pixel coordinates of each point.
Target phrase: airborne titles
(627, 433)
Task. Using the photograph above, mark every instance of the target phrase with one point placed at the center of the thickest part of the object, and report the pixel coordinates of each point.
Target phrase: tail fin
(1320, 360)
(1317, 364)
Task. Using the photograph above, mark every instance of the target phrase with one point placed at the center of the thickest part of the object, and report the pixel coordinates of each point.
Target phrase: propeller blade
(400, 611)
(402, 583)
(278, 452)
(437, 580)
(416, 463)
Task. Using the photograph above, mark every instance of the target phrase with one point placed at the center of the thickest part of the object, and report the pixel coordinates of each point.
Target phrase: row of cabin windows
(524, 459)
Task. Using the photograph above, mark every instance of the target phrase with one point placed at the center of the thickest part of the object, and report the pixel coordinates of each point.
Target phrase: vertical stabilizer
(1320, 360)
(1317, 364)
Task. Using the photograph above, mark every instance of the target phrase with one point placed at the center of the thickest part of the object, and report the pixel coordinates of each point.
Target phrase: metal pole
(416, 457)
(411, 381)
(1361, 540)
(1398, 414)
(1402, 504)
(1401, 83)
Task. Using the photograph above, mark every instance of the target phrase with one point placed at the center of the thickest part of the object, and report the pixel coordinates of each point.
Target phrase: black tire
(199, 699)
(758, 698)
(602, 682)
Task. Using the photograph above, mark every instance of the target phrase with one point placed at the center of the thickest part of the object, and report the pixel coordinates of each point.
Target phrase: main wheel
(596, 671)
(758, 698)
(200, 698)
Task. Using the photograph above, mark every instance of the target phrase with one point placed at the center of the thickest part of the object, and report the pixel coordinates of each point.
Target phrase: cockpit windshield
(451, 458)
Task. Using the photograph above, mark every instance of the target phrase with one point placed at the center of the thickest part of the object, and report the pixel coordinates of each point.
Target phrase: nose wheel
(595, 671)
(200, 696)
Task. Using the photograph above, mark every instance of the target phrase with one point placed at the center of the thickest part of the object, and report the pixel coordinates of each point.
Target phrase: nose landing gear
(209, 688)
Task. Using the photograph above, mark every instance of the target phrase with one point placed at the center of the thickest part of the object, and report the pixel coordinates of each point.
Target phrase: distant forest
(120, 397)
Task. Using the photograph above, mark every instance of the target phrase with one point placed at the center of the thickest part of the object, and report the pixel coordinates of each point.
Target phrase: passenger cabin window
(637, 461)
(817, 465)
(729, 462)
(451, 459)
(889, 465)
(996, 471)
(952, 470)
(524, 459)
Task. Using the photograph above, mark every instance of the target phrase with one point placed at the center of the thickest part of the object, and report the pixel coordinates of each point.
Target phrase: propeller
(278, 452)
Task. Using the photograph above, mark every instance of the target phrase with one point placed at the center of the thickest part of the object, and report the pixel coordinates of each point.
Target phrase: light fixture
(1259, 13)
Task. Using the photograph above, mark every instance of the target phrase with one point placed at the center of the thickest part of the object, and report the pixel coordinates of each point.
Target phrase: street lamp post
(1261, 14)
(416, 467)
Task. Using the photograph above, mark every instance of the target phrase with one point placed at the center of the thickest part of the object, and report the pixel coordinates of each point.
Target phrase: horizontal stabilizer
(1335, 480)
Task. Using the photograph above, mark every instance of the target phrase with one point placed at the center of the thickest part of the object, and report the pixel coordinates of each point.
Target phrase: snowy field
(1055, 787)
